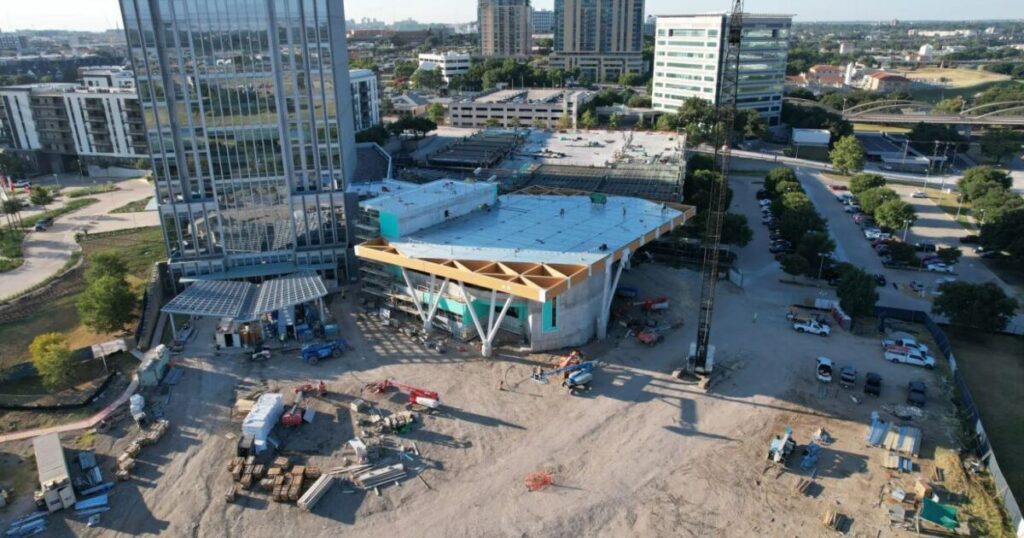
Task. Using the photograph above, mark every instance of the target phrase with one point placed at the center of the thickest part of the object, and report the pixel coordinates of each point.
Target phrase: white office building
(450, 63)
(688, 53)
(365, 98)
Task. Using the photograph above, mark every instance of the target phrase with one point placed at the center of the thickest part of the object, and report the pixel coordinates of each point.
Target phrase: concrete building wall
(575, 314)
(505, 28)
(603, 38)
(365, 99)
(450, 63)
(17, 118)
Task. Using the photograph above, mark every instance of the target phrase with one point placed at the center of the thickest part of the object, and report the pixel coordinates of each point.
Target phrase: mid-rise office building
(603, 38)
(249, 121)
(450, 63)
(505, 28)
(688, 56)
(543, 21)
(536, 107)
(365, 98)
(112, 76)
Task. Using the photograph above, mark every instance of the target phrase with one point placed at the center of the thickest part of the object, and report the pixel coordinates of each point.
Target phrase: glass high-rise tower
(250, 150)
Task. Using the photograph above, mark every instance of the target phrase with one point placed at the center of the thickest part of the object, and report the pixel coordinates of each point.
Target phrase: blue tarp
(877, 431)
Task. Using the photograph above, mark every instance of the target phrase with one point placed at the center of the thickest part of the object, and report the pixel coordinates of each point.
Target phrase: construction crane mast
(701, 358)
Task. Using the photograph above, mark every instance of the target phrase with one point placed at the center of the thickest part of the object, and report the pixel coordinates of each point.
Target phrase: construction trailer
(56, 491)
(540, 266)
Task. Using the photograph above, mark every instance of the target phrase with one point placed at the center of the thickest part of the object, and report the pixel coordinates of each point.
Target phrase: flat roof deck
(531, 245)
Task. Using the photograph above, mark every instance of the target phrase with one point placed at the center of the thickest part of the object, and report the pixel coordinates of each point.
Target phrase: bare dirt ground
(641, 454)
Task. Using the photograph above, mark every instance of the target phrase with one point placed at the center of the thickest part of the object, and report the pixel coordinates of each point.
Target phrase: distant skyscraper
(688, 52)
(543, 21)
(505, 28)
(603, 38)
(248, 110)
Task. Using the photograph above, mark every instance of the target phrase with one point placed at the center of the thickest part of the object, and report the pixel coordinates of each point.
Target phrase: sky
(103, 14)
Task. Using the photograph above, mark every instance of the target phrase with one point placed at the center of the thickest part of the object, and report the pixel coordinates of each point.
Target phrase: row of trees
(700, 175)
(881, 202)
(1000, 211)
(799, 224)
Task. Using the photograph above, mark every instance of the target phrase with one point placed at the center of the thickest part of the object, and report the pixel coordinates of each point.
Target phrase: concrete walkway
(81, 424)
(46, 252)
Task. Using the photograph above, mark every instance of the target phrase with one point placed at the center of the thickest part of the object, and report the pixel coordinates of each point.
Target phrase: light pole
(821, 265)
(906, 228)
(959, 204)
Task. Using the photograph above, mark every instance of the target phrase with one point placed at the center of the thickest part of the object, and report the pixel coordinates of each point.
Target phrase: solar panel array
(211, 298)
(287, 291)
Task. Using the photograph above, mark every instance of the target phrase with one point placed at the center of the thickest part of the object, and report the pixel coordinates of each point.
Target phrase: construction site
(518, 358)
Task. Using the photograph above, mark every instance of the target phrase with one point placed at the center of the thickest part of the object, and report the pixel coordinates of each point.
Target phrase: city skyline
(105, 14)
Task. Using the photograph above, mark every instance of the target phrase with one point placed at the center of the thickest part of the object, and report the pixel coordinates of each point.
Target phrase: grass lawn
(955, 78)
(993, 366)
(140, 249)
(10, 250)
(937, 94)
(133, 207)
(89, 191)
(949, 204)
(872, 128)
(73, 205)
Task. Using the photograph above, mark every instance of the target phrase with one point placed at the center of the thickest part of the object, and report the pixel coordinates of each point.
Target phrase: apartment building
(543, 21)
(688, 56)
(252, 156)
(365, 98)
(450, 63)
(602, 38)
(505, 28)
(520, 107)
(50, 124)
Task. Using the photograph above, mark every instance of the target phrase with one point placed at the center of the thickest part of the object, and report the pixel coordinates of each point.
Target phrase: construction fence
(984, 449)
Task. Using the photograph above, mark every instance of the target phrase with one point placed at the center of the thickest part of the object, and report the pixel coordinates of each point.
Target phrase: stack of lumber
(834, 520)
(316, 492)
(380, 476)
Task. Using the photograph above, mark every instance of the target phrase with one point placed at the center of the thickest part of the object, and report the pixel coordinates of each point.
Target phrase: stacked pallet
(316, 492)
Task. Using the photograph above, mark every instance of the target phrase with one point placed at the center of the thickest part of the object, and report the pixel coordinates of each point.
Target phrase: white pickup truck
(905, 342)
(813, 327)
(909, 356)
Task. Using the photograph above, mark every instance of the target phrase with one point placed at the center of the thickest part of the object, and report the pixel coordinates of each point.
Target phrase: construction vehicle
(312, 353)
(576, 375)
(781, 447)
(293, 417)
(417, 396)
(701, 358)
(260, 354)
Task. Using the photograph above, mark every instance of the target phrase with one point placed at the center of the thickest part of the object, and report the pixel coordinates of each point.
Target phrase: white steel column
(412, 292)
(472, 314)
(434, 303)
(493, 330)
(609, 294)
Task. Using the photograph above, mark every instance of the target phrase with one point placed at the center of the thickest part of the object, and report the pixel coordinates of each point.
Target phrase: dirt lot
(640, 454)
(954, 78)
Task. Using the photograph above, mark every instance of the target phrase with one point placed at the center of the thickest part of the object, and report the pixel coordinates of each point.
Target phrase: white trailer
(54, 478)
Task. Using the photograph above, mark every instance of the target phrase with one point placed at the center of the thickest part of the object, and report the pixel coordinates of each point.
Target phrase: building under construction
(543, 267)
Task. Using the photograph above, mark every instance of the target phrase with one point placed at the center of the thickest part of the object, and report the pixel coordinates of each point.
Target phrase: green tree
(995, 202)
(778, 175)
(105, 264)
(564, 122)
(613, 121)
(630, 79)
(427, 79)
(978, 180)
(639, 101)
(979, 306)
(10, 166)
(949, 255)
(539, 124)
(903, 253)
(815, 247)
(666, 122)
(1000, 143)
(53, 360)
(515, 123)
(735, 230)
(106, 305)
(895, 214)
(404, 69)
(12, 209)
(40, 196)
(435, 112)
(794, 224)
(588, 120)
(749, 124)
(696, 117)
(953, 105)
(492, 122)
(864, 181)
(856, 292)
(873, 198)
(847, 156)
(1005, 234)
(794, 264)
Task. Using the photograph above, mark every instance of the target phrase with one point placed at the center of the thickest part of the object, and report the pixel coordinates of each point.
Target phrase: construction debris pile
(126, 461)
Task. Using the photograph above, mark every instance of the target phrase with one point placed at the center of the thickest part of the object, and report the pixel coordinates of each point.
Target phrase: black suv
(917, 393)
(873, 384)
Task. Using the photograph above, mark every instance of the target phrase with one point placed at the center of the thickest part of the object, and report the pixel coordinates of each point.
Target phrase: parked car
(873, 384)
(940, 268)
(774, 235)
(882, 248)
(764, 202)
(886, 259)
(838, 187)
(919, 194)
(916, 286)
(824, 369)
(880, 279)
(813, 327)
(853, 208)
(909, 356)
(22, 184)
(847, 377)
(39, 227)
(917, 393)
(767, 219)
(872, 233)
(971, 239)
(761, 194)
(925, 246)
(904, 341)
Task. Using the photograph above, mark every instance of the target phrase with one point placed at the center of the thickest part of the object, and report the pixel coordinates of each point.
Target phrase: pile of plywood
(126, 461)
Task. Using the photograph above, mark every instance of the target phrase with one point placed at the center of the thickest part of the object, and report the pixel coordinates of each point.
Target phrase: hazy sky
(102, 14)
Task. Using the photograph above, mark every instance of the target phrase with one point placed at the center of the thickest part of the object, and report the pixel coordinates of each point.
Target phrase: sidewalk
(81, 424)
(45, 253)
